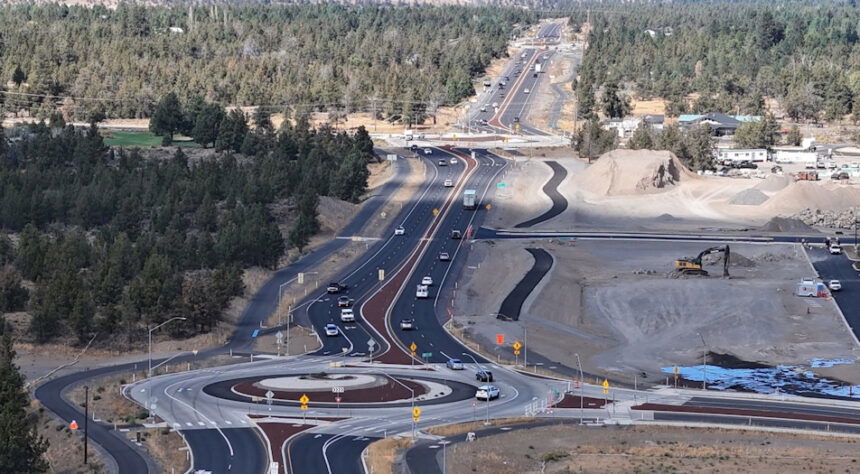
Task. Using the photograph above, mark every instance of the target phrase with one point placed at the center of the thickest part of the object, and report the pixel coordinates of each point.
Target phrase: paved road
(838, 267)
(243, 455)
(308, 453)
(513, 303)
(559, 202)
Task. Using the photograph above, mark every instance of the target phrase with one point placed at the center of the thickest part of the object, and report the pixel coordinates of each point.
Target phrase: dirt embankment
(633, 172)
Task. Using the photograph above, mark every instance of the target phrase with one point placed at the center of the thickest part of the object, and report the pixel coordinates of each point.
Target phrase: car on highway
(422, 292)
(456, 235)
(344, 302)
(507, 78)
(487, 392)
(399, 230)
(407, 324)
(443, 163)
(346, 315)
(413, 147)
(516, 119)
(484, 375)
(449, 183)
(483, 108)
(835, 249)
(483, 122)
(834, 285)
(428, 280)
(455, 364)
(331, 330)
(428, 151)
(453, 161)
(335, 287)
(495, 105)
(444, 257)
(526, 91)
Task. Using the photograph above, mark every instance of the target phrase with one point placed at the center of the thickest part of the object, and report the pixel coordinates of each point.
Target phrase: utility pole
(86, 419)
(704, 362)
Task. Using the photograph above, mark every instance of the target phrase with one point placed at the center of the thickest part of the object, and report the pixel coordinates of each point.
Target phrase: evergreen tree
(167, 119)
(615, 105)
(758, 134)
(794, 137)
(642, 138)
(21, 448)
(206, 124)
(18, 76)
(592, 140)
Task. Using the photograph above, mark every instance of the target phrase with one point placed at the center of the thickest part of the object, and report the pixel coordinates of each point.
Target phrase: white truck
(537, 67)
(470, 199)
(421, 292)
(347, 316)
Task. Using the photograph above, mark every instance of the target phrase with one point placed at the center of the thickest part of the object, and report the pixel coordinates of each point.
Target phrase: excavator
(693, 266)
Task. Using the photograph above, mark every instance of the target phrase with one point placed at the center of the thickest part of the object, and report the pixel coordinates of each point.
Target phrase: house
(623, 127)
(736, 155)
(654, 121)
(720, 123)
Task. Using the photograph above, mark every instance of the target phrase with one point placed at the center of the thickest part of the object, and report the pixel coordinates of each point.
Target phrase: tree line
(733, 55)
(115, 242)
(399, 62)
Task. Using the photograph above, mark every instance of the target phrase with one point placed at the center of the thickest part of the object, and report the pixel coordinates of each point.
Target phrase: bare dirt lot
(616, 305)
(648, 190)
(651, 449)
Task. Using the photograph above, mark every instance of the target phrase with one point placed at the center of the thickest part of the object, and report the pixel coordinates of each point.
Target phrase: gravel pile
(749, 197)
(786, 224)
(843, 219)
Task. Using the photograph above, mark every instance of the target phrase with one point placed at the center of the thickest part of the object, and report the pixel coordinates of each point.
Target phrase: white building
(736, 155)
(794, 154)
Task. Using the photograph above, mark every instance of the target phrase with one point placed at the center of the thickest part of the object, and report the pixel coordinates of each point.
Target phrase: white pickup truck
(346, 315)
(421, 292)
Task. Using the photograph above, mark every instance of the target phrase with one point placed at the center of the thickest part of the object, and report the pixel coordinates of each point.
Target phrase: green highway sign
(427, 355)
(500, 185)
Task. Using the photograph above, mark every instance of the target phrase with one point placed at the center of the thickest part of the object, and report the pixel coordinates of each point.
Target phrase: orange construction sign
(73, 425)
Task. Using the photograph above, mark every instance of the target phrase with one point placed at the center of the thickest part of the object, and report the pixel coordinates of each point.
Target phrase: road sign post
(304, 406)
(413, 348)
(605, 391)
(371, 344)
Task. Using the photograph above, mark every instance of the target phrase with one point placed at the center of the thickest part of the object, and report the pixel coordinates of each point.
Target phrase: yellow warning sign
(435, 212)
(413, 347)
(517, 346)
(304, 399)
(416, 411)
(605, 386)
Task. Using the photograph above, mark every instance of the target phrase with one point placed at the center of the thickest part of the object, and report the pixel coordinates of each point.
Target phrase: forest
(734, 55)
(114, 242)
(399, 62)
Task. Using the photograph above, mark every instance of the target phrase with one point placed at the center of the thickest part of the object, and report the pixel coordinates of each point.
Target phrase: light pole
(413, 399)
(149, 370)
(473, 360)
(704, 362)
(581, 390)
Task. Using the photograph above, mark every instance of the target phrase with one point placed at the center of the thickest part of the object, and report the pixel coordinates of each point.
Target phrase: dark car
(455, 234)
(344, 302)
(747, 165)
(335, 287)
(516, 120)
(484, 376)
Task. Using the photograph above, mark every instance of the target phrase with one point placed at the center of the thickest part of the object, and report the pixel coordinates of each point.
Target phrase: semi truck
(470, 199)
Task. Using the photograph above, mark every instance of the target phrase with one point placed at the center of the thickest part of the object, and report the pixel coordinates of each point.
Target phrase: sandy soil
(66, 449)
(612, 303)
(630, 190)
(556, 449)
(647, 106)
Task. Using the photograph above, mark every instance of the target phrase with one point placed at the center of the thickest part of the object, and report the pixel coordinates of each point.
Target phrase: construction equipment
(693, 266)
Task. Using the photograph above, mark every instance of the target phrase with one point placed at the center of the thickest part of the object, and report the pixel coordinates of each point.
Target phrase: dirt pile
(735, 260)
(811, 195)
(786, 224)
(749, 197)
(773, 183)
(632, 172)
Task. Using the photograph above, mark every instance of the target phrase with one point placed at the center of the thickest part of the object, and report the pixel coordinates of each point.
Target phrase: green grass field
(143, 139)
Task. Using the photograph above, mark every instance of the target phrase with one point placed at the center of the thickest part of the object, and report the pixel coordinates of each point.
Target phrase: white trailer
(470, 199)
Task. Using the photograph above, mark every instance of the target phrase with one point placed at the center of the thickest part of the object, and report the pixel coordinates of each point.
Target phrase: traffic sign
(301, 278)
(337, 390)
(605, 386)
(304, 399)
(371, 343)
(426, 355)
(500, 338)
(73, 425)
(303, 407)
(279, 336)
(517, 346)
(516, 352)
(500, 185)
(435, 212)
(413, 347)
(416, 419)
(488, 207)
(270, 394)
(416, 411)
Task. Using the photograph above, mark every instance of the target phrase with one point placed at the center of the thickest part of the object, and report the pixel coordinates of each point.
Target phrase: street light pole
(581, 390)
(473, 360)
(704, 362)
(149, 370)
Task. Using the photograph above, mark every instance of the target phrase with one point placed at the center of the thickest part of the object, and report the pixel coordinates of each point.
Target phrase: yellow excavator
(693, 266)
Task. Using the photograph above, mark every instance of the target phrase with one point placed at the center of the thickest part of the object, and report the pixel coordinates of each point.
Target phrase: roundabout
(364, 390)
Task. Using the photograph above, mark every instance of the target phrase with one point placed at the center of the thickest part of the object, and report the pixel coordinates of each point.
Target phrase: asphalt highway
(308, 453)
(559, 202)
(244, 454)
(838, 267)
(513, 303)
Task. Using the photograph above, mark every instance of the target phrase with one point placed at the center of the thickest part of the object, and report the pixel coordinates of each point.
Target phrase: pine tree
(18, 76)
(21, 448)
(167, 119)
(642, 138)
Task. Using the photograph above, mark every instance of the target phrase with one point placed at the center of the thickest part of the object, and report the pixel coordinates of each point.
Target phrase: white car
(428, 151)
(835, 249)
(331, 330)
(526, 91)
(421, 291)
(428, 280)
(834, 285)
(449, 183)
(487, 392)
(444, 257)
(443, 163)
(399, 230)
(453, 161)
(347, 315)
